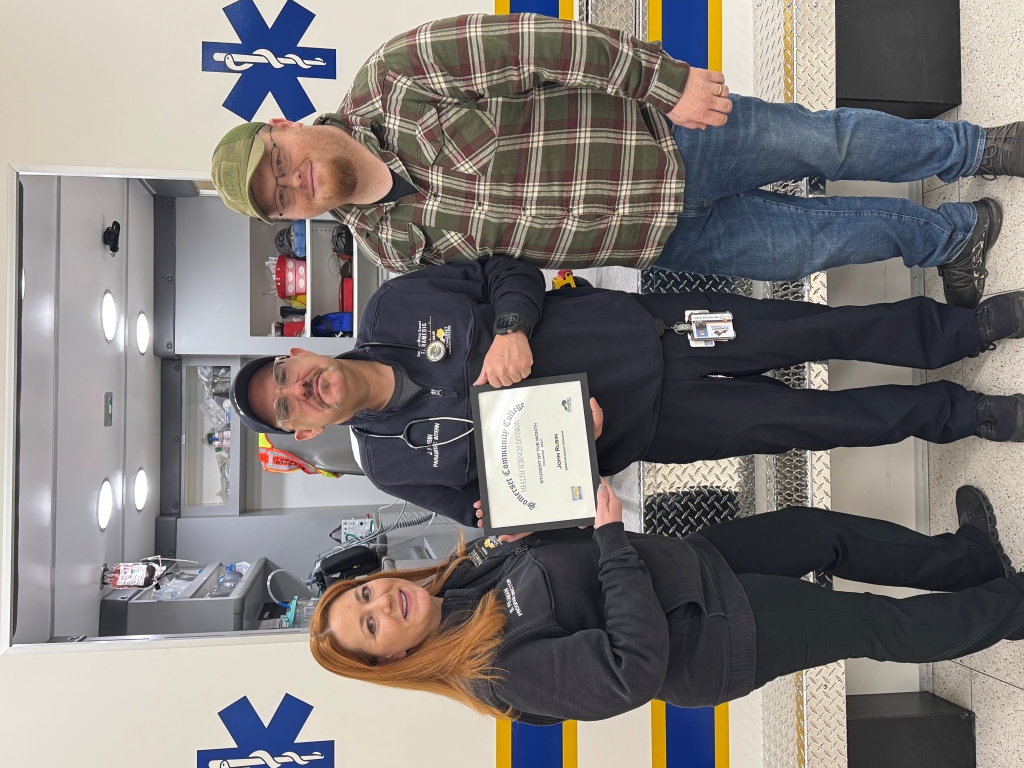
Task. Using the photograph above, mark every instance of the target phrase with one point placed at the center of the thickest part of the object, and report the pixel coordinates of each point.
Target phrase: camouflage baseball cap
(234, 162)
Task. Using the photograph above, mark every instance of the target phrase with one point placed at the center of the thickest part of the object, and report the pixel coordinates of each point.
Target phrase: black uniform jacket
(606, 334)
(601, 622)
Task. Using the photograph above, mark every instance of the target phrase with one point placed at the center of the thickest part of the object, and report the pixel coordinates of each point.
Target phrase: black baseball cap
(240, 398)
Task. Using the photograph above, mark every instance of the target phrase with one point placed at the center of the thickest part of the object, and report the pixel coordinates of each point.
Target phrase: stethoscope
(436, 351)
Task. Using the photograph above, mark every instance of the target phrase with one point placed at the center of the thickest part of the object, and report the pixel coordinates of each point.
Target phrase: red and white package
(131, 575)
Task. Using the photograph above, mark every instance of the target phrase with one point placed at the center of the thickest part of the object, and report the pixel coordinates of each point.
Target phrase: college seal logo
(269, 59)
(267, 746)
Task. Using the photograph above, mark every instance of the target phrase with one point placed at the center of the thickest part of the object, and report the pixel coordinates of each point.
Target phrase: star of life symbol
(269, 59)
(267, 746)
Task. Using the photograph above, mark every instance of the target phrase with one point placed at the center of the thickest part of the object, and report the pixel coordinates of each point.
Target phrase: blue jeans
(730, 227)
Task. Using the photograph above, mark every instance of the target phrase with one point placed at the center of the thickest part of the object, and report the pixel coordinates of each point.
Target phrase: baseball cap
(240, 398)
(234, 162)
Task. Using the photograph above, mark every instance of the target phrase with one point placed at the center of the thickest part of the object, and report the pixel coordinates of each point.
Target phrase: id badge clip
(704, 328)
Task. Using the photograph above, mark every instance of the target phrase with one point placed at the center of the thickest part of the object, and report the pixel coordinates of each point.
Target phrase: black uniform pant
(800, 625)
(713, 418)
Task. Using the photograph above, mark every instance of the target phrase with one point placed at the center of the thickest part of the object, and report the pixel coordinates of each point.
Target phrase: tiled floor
(990, 683)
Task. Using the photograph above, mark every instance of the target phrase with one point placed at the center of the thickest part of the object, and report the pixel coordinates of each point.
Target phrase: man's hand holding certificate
(538, 463)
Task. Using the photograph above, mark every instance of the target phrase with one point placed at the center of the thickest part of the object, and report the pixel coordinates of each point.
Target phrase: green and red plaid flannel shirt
(524, 135)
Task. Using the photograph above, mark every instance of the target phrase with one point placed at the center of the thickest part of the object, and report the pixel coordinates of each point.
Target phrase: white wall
(157, 706)
(738, 45)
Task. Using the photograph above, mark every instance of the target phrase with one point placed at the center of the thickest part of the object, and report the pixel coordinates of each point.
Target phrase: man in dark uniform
(426, 337)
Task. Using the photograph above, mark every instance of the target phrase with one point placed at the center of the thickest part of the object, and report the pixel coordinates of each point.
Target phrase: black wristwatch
(510, 322)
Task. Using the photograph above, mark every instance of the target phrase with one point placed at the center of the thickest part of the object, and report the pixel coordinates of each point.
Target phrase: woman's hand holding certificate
(598, 414)
(609, 510)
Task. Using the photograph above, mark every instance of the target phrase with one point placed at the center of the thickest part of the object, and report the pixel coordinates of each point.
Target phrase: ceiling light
(108, 316)
(105, 504)
(142, 333)
(141, 489)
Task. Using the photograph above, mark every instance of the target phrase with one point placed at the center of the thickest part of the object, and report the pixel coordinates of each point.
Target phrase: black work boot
(1004, 152)
(963, 276)
(1000, 417)
(973, 508)
(1000, 317)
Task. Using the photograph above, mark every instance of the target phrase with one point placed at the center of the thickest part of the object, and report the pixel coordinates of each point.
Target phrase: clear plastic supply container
(303, 608)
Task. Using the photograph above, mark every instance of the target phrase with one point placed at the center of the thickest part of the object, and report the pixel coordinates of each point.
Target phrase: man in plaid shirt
(571, 145)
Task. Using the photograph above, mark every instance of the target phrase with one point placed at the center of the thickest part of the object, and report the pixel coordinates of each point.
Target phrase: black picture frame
(588, 417)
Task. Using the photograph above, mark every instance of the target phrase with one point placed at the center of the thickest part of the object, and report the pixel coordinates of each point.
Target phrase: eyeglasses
(404, 437)
(283, 196)
(286, 407)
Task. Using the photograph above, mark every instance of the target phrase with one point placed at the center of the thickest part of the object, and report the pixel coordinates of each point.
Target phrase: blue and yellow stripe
(689, 738)
(690, 30)
(680, 738)
(530, 746)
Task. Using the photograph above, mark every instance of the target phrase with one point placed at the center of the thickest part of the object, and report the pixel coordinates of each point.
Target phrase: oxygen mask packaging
(216, 383)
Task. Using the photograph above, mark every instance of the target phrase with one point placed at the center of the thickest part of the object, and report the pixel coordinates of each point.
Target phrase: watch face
(508, 321)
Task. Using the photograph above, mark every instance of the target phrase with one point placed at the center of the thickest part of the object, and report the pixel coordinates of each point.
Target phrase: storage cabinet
(222, 299)
(324, 271)
(218, 255)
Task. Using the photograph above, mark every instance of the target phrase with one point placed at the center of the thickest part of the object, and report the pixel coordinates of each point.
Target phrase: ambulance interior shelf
(159, 596)
(307, 279)
(212, 597)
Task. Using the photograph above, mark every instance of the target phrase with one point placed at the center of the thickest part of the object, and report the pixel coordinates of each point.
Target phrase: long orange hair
(447, 663)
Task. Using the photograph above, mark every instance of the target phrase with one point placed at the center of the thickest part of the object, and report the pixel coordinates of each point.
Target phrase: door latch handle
(110, 237)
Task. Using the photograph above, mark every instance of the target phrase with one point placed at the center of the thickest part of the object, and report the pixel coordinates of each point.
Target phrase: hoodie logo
(510, 598)
(436, 345)
(433, 438)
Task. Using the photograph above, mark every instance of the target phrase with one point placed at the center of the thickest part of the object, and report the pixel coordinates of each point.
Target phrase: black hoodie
(601, 622)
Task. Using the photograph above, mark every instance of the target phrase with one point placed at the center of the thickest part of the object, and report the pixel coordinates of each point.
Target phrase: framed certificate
(536, 460)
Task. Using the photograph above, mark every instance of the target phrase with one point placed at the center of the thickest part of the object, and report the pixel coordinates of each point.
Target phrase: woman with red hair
(573, 625)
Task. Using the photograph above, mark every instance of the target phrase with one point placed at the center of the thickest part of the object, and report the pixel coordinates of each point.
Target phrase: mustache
(313, 395)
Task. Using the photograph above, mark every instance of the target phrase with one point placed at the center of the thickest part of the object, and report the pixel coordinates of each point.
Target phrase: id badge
(705, 328)
(716, 326)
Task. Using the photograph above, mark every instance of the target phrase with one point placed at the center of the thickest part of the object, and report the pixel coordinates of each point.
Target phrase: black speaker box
(898, 56)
